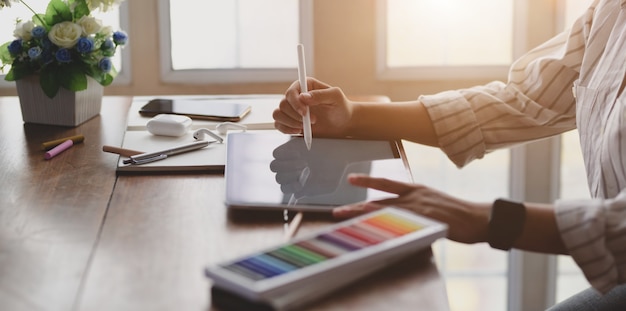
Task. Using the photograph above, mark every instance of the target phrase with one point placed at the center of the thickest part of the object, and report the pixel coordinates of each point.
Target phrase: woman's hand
(467, 221)
(331, 112)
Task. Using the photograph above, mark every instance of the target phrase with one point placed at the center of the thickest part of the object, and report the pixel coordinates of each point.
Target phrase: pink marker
(58, 149)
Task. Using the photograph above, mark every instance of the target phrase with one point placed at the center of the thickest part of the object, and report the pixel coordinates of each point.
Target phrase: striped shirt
(574, 80)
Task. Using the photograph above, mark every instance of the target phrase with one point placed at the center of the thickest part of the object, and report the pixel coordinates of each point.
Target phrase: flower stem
(34, 13)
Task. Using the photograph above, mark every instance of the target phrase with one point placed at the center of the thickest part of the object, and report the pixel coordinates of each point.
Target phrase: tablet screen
(268, 169)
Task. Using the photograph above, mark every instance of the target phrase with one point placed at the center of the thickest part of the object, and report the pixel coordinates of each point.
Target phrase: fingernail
(306, 95)
(338, 212)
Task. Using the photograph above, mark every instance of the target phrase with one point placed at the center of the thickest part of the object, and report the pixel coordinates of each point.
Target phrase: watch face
(506, 223)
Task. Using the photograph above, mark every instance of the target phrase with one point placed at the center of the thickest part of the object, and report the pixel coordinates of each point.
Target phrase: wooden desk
(73, 236)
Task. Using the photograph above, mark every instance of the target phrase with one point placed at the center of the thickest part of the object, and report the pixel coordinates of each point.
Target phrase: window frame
(234, 75)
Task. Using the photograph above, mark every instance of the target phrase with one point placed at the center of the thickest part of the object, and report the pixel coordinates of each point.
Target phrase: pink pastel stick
(58, 149)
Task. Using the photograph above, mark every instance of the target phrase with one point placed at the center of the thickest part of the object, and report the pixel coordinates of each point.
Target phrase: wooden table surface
(74, 236)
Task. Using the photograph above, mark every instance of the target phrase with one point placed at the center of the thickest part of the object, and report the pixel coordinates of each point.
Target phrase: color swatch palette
(337, 255)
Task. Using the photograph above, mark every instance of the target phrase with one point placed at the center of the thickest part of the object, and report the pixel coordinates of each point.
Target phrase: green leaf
(49, 82)
(10, 76)
(98, 76)
(5, 56)
(108, 79)
(81, 9)
(58, 11)
(72, 77)
(40, 20)
(20, 70)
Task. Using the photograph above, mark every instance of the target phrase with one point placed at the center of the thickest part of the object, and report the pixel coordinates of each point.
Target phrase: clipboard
(269, 170)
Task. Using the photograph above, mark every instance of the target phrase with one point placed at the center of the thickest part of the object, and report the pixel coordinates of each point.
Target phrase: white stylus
(306, 120)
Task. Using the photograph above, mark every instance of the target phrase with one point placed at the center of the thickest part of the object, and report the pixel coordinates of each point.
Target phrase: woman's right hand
(331, 112)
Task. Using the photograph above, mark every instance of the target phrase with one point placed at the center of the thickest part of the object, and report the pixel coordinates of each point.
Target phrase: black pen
(160, 155)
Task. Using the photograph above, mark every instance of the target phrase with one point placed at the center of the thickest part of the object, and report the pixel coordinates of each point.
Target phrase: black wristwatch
(506, 223)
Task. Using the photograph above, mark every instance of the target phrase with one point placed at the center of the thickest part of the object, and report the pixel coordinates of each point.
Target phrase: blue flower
(120, 37)
(38, 32)
(107, 45)
(105, 64)
(15, 47)
(34, 52)
(84, 45)
(63, 55)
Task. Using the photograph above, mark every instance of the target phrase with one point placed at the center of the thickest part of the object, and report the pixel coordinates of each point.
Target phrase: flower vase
(67, 108)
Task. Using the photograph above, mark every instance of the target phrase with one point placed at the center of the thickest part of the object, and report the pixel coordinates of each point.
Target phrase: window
(239, 40)
(443, 39)
(117, 19)
(416, 40)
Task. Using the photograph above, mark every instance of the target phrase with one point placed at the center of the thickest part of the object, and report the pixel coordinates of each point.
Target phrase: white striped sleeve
(594, 233)
(535, 103)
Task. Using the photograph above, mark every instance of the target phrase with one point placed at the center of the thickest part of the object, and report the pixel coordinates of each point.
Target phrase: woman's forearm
(540, 233)
(395, 120)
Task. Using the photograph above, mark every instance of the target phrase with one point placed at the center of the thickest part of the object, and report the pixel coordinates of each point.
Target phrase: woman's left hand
(467, 221)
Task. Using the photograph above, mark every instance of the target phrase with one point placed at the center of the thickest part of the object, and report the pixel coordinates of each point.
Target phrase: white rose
(23, 30)
(90, 25)
(106, 31)
(65, 34)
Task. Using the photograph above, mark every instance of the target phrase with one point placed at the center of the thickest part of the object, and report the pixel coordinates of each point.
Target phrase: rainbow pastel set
(297, 272)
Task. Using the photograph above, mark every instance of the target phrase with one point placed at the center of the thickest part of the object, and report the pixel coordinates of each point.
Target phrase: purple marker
(58, 149)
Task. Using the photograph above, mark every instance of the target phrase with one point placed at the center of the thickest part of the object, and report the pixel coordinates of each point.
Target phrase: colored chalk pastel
(409, 226)
(339, 241)
(53, 143)
(58, 149)
(385, 226)
(276, 263)
(315, 257)
(375, 230)
(245, 272)
(350, 239)
(296, 256)
(266, 265)
(371, 234)
(361, 236)
(288, 257)
(259, 267)
(323, 248)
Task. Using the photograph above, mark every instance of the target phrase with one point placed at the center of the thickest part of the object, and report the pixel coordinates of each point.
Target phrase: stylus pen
(159, 155)
(306, 120)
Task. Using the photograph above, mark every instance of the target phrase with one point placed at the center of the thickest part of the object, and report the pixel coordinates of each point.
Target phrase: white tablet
(271, 170)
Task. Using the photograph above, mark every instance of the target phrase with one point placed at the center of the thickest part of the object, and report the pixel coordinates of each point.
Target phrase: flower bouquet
(63, 46)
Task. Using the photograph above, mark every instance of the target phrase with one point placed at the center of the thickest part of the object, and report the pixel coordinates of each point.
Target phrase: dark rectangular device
(205, 109)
